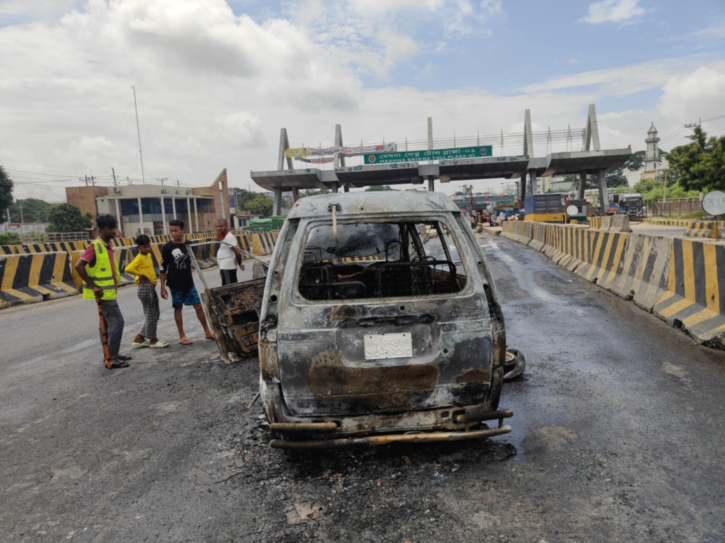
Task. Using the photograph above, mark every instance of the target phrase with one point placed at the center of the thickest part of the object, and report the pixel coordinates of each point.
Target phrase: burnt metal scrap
(234, 317)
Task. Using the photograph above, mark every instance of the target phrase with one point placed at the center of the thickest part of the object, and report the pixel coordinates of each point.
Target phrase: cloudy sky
(216, 80)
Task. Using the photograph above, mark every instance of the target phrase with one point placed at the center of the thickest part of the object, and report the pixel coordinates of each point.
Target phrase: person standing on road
(100, 274)
(143, 268)
(229, 255)
(176, 270)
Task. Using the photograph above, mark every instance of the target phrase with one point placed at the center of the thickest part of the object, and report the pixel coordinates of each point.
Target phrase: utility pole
(177, 183)
(93, 181)
(162, 179)
(664, 194)
(138, 130)
(84, 179)
(22, 221)
(113, 171)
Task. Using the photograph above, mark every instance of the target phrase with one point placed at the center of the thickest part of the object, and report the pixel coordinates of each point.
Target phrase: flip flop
(187, 342)
(158, 345)
(119, 365)
(144, 343)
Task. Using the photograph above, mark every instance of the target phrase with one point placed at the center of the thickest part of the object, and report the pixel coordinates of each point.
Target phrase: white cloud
(246, 128)
(616, 11)
(378, 7)
(698, 94)
(622, 80)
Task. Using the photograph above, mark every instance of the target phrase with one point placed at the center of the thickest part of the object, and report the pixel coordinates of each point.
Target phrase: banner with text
(434, 154)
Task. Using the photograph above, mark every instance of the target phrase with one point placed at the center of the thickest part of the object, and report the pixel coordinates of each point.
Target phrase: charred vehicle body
(379, 323)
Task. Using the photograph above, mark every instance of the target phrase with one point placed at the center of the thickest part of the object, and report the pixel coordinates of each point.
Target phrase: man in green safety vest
(100, 275)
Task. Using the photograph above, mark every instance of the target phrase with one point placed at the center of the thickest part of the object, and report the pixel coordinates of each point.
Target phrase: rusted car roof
(371, 203)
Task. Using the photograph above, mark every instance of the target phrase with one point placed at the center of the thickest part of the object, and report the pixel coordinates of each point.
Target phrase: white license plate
(388, 346)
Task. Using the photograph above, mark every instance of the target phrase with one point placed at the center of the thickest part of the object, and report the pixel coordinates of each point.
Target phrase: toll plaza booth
(582, 210)
(544, 207)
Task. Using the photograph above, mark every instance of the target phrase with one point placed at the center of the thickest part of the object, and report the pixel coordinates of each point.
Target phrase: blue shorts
(184, 297)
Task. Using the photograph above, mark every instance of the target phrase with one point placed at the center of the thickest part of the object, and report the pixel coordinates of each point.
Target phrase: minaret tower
(652, 154)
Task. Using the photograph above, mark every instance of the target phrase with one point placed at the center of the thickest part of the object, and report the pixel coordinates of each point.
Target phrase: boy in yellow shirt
(143, 268)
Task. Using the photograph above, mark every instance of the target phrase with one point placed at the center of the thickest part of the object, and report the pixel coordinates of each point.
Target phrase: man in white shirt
(229, 256)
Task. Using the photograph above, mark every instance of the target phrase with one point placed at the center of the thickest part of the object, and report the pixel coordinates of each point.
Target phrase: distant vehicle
(631, 204)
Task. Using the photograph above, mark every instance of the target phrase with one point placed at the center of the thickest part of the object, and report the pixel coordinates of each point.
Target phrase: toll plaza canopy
(509, 167)
(445, 160)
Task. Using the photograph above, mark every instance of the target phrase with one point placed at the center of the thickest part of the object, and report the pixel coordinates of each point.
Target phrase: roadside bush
(9, 239)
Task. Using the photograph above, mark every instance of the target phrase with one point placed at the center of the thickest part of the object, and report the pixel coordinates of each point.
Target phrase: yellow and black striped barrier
(695, 297)
(645, 270)
(701, 229)
(262, 243)
(31, 278)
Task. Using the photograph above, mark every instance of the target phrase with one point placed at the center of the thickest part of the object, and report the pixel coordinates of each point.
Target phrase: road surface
(618, 436)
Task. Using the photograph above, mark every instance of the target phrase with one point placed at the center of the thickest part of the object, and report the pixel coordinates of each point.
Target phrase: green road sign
(436, 154)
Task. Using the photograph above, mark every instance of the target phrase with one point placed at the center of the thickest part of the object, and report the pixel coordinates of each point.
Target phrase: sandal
(118, 365)
(123, 357)
(158, 345)
(144, 343)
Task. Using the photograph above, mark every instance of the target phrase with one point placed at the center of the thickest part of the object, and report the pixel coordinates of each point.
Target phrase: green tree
(68, 218)
(260, 205)
(33, 210)
(701, 164)
(467, 190)
(635, 162)
(376, 188)
(616, 178)
(673, 191)
(6, 193)
(242, 197)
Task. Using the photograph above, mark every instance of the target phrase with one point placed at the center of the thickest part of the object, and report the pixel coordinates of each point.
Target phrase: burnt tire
(514, 364)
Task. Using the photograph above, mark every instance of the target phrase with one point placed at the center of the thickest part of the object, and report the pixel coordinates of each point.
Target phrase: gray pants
(150, 302)
(113, 320)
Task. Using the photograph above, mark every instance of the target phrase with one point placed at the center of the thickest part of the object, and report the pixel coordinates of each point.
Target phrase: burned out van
(379, 323)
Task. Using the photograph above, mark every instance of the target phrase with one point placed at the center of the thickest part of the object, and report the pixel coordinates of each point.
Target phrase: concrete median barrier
(538, 237)
(32, 278)
(604, 252)
(606, 223)
(574, 248)
(262, 243)
(644, 270)
(11, 250)
(620, 223)
(695, 297)
(701, 229)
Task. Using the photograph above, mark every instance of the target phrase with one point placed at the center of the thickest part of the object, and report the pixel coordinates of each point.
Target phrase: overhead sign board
(434, 154)
(714, 203)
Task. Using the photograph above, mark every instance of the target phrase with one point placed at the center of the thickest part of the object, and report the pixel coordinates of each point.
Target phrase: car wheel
(514, 364)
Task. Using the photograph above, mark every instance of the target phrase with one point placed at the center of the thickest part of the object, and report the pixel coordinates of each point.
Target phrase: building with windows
(148, 209)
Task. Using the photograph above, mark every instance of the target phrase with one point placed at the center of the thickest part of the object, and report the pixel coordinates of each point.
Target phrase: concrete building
(147, 209)
(239, 217)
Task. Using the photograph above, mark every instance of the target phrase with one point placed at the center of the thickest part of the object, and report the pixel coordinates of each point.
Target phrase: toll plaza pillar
(582, 184)
(603, 197)
(277, 201)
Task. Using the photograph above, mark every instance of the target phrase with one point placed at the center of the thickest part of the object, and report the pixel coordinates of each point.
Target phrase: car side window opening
(379, 260)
